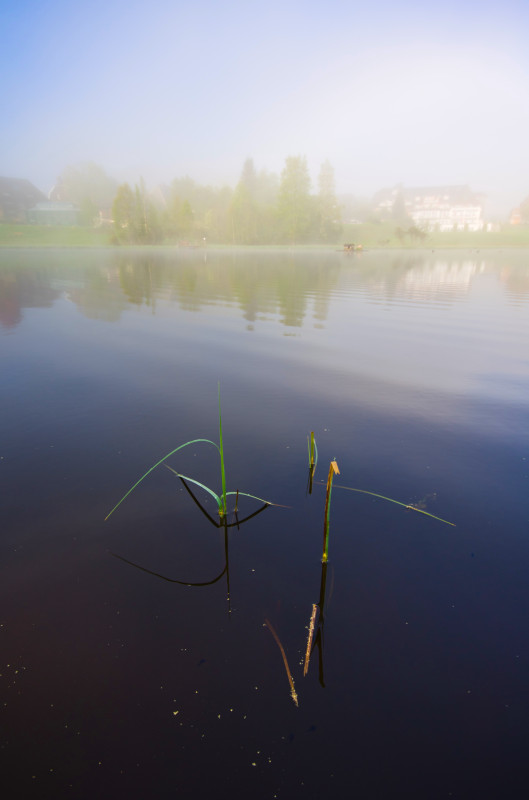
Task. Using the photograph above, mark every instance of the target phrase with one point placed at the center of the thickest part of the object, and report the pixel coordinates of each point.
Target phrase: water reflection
(217, 523)
(287, 286)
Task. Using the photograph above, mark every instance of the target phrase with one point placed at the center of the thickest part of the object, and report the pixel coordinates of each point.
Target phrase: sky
(404, 92)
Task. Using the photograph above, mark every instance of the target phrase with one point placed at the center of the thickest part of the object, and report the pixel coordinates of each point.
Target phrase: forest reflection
(263, 285)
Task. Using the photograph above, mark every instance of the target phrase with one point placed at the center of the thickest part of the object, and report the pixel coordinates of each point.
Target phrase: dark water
(413, 372)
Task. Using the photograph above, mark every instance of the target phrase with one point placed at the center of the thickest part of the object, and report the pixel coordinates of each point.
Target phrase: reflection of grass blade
(310, 637)
(171, 580)
(222, 471)
(193, 441)
(333, 468)
(285, 662)
(397, 502)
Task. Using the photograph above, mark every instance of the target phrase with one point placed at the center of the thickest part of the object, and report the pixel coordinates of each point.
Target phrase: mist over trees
(136, 219)
(87, 186)
(524, 211)
(328, 210)
(252, 208)
(263, 208)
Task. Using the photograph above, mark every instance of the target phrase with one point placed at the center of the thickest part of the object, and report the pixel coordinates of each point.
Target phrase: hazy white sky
(389, 92)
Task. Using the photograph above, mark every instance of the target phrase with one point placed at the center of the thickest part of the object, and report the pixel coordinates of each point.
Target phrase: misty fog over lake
(407, 93)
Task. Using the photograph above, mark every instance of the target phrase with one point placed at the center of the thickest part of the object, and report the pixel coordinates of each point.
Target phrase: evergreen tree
(243, 210)
(135, 217)
(329, 217)
(294, 204)
(123, 210)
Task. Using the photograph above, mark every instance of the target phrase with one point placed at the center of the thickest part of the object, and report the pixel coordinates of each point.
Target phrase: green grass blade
(221, 451)
(313, 451)
(197, 483)
(397, 502)
(254, 497)
(193, 441)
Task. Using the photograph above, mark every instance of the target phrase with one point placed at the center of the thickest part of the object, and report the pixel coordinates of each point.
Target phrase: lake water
(117, 678)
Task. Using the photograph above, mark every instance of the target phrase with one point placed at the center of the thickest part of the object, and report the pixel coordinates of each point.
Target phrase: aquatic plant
(407, 506)
(333, 470)
(219, 499)
(285, 662)
(313, 451)
(313, 459)
(310, 637)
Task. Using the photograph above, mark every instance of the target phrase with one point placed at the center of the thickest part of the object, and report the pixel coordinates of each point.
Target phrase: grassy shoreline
(369, 235)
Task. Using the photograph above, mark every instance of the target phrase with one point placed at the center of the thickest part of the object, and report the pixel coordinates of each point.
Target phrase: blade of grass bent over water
(193, 441)
(218, 499)
(397, 502)
(197, 483)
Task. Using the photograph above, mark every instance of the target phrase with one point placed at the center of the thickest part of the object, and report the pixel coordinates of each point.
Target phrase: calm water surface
(117, 678)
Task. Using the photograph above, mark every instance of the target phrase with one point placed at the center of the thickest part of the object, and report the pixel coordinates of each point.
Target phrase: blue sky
(388, 92)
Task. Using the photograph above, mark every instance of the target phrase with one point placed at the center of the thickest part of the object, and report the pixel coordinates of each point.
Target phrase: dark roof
(16, 196)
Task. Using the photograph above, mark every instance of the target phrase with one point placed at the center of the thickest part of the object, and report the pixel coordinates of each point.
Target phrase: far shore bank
(370, 236)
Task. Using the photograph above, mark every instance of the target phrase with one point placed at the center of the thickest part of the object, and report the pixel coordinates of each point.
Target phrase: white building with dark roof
(434, 208)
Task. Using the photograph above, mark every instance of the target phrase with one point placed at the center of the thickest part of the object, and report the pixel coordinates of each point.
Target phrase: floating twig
(287, 668)
(310, 637)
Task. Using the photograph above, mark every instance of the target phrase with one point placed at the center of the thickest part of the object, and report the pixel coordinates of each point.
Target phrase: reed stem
(333, 469)
(222, 470)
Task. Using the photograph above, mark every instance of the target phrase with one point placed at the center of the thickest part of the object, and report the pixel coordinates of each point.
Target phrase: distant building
(49, 212)
(433, 208)
(58, 192)
(17, 195)
(515, 217)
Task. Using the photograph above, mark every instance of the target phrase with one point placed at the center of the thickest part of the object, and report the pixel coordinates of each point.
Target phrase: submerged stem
(289, 674)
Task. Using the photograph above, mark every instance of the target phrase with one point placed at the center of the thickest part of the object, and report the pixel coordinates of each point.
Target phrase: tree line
(263, 208)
